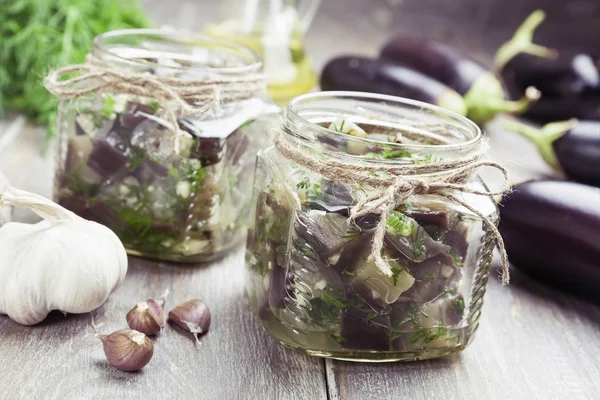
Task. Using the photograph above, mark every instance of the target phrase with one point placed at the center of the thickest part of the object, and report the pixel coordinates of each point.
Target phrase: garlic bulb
(5, 212)
(62, 263)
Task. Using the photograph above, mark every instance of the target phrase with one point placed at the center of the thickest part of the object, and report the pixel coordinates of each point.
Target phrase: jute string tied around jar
(396, 184)
(180, 97)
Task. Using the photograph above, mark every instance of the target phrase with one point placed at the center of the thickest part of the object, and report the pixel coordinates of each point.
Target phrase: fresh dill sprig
(38, 35)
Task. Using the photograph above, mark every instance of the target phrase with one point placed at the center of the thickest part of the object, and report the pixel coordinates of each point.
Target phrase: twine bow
(180, 97)
(394, 185)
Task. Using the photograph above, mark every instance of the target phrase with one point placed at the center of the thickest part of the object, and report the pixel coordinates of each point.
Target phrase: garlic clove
(127, 349)
(148, 316)
(192, 316)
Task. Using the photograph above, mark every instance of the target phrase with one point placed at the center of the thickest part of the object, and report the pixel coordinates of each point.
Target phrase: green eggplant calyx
(522, 42)
(485, 99)
(453, 101)
(543, 137)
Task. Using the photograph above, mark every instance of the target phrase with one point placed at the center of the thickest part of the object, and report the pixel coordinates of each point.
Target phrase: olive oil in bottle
(273, 29)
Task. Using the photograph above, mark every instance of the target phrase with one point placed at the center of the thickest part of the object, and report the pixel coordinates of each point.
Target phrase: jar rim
(253, 63)
(293, 118)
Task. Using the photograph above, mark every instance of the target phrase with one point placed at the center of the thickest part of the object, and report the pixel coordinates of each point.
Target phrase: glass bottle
(275, 29)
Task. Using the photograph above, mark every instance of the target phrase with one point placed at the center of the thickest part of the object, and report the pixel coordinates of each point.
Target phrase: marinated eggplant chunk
(161, 193)
(336, 297)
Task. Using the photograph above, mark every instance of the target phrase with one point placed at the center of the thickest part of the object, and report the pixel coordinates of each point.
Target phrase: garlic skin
(5, 212)
(62, 263)
(192, 316)
(127, 349)
(148, 316)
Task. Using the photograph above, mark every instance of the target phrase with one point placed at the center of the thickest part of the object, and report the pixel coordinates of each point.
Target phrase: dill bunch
(38, 35)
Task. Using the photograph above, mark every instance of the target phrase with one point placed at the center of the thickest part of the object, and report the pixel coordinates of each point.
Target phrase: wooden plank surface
(533, 343)
(62, 359)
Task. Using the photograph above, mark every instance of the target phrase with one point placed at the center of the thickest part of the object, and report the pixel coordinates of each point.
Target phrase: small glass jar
(310, 277)
(173, 194)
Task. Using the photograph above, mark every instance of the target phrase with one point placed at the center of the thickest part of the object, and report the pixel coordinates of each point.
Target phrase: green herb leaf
(304, 183)
(395, 273)
(389, 154)
(339, 339)
(154, 105)
(399, 224)
(108, 105)
(38, 35)
(329, 299)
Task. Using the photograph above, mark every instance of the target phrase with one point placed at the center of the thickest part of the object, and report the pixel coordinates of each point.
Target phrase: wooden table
(533, 342)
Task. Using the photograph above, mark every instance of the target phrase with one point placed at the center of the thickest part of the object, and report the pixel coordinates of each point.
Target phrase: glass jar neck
(175, 53)
(425, 131)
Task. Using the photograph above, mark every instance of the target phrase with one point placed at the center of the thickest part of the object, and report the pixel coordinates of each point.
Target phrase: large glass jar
(311, 277)
(174, 194)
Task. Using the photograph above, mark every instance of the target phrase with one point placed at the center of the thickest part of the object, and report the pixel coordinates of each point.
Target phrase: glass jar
(311, 278)
(173, 194)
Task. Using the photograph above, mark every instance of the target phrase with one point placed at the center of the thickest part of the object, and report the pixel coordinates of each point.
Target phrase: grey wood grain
(533, 343)
(62, 359)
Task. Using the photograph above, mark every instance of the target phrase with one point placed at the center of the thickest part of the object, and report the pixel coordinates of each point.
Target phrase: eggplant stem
(485, 99)
(543, 137)
(541, 51)
(531, 96)
(522, 42)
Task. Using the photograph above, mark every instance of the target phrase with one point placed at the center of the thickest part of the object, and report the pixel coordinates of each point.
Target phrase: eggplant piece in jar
(431, 218)
(278, 287)
(405, 238)
(335, 197)
(237, 143)
(134, 114)
(209, 150)
(77, 175)
(306, 259)
(432, 277)
(326, 232)
(430, 325)
(360, 331)
(112, 151)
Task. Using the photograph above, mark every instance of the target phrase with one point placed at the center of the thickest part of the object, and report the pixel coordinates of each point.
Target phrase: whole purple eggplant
(570, 87)
(482, 91)
(551, 230)
(571, 146)
(549, 109)
(355, 73)
(435, 59)
(576, 77)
